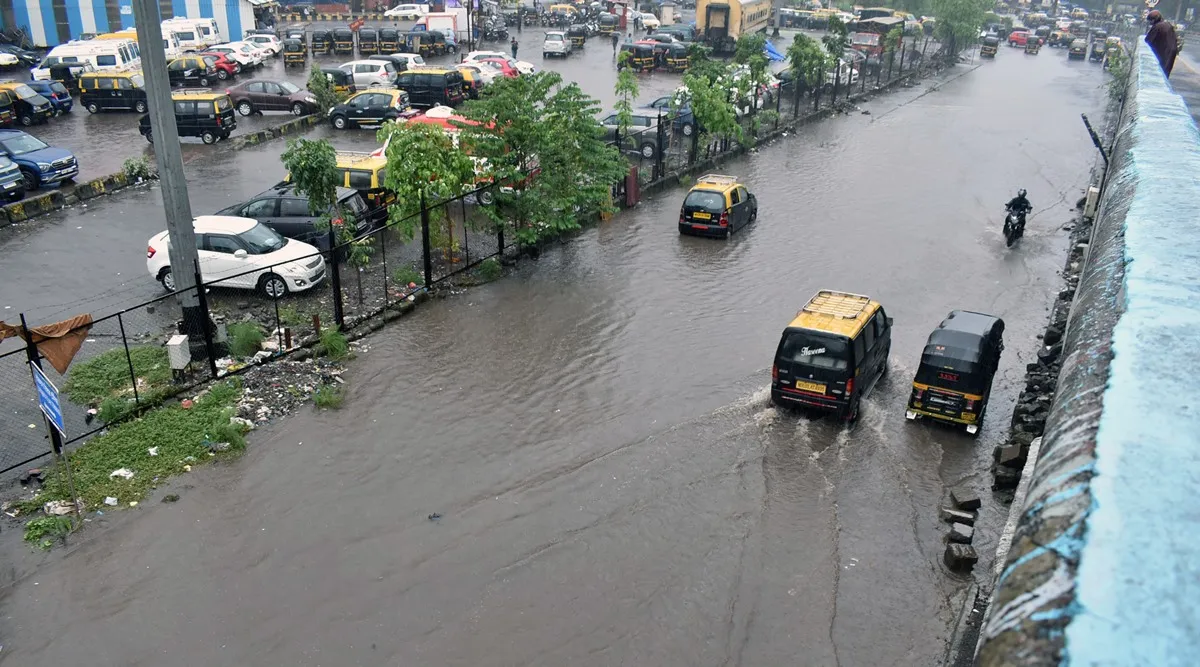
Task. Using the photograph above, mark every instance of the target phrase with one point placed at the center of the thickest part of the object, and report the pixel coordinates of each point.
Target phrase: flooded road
(595, 433)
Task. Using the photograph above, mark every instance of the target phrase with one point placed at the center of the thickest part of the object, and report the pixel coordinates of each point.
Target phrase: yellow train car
(720, 23)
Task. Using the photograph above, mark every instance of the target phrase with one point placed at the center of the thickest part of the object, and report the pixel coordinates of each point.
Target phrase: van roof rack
(717, 179)
(837, 304)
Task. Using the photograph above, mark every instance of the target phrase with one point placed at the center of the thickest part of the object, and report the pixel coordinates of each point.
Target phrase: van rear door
(815, 366)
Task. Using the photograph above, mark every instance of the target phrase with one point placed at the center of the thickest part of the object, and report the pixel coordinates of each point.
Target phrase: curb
(49, 202)
(290, 127)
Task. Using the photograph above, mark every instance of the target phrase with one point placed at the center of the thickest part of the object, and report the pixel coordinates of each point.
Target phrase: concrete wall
(1103, 568)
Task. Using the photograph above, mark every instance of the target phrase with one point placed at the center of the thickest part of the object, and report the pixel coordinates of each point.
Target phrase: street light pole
(171, 179)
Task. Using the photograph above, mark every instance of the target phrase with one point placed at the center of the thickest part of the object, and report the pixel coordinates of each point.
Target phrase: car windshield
(21, 144)
(418, 60)
(289, 88)
(261, 239)
(554, 38)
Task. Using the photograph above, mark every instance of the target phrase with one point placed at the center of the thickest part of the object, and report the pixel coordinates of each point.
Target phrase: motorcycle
(1014, 226)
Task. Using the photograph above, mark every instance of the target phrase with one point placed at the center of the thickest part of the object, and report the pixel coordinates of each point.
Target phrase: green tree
(424, 165)
(712, 107)
(536, 122)
(322, 89)
(808, 61)
(750, 54)
(627, 91)
(701, 63)
(837, 37)
(958, 23)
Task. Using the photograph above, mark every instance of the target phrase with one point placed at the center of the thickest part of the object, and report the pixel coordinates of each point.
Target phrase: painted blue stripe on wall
(126, 13)
(21, 14)
(75, 17)
(179, 8)
(49, 23)
(100, 12)
(206, 9)
(233, 14)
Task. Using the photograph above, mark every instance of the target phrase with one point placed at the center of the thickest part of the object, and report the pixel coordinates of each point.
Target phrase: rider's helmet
(1021, 192)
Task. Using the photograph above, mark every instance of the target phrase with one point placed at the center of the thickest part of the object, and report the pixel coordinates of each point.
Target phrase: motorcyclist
(1019, 205)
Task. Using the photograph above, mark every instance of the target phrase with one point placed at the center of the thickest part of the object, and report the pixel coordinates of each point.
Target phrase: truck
(453, 21)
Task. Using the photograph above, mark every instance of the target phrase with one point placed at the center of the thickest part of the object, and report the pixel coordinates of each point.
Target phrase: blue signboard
(48, 398)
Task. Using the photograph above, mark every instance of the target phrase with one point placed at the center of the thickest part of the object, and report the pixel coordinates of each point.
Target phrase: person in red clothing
(1162, 41)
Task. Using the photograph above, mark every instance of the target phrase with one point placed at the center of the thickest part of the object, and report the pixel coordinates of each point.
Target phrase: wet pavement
(595, 433)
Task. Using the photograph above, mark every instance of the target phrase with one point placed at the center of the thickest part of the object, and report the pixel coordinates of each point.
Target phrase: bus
(720, 23)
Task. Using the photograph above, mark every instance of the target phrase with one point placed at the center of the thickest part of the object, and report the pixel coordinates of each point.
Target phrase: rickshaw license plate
(815, 387)
(700, 215)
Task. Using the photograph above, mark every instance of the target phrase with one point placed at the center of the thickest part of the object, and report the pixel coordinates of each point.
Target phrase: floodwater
(594, 431)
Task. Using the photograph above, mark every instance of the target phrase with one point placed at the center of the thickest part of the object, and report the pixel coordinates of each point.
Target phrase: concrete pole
(169, 157)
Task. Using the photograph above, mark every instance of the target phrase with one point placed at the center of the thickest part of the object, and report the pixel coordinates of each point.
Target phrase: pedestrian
(514, 47)
(616, 40)
(1162, 41)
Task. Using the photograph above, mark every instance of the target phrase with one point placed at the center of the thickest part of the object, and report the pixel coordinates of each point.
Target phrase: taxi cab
(198, 113)
(832, 353)
(717, 206)
(374, 106)
(366, 173)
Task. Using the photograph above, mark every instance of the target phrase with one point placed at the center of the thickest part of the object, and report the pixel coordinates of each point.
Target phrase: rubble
(960, 556)
(958, 516)
(278, 389)
(961, 533)
(964, 499)
(60, 507)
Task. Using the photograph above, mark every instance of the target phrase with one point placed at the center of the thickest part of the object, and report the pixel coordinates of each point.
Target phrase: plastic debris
(186, 404)
(123, 473)
(110, 501)
(133, 503)
(153, 451)
(435, 516)
(187, 468)
(58, 507)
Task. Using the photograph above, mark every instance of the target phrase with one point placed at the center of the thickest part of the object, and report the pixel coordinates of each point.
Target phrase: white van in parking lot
(102, 54)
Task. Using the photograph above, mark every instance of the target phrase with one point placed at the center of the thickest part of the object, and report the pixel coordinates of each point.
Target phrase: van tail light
(849, 388)
(970, 404)
(150, 251)
(725, 219)
(681, 218)
(774, 371)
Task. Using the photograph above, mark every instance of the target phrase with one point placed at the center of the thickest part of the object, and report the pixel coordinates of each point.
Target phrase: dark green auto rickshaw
(675, 57)
(419, 42)
(368, 41)
(297, 34)
(991, 46)
(641, 55)
(341, 80)
(294, 53)
(954, 381)
(322, 42)
(578, 34)
(343, 41)
(389, 41)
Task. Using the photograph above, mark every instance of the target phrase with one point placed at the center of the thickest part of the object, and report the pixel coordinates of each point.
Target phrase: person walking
(1162, 40)
(514, 47)
(616, 40)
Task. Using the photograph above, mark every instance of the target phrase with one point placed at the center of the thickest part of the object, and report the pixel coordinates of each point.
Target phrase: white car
(8, 60)
(367, 73)
(244, 59)
(650, 21)
(407, 12)
(414, 59)
(251, 55)
(522, 66)
(269, 42)
(242, 253)
(484, 71)
(556, 44)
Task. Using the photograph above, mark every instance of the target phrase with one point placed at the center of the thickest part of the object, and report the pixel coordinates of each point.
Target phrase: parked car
(24, 56)
(407, 12)
(270, 43)
(240, 53)
(59, 96)
(556, 44)
(190, 71)
(649, 21)
(242, 253)
(12, 182)
(198, 114)
(432, 86)
(398, 60)
(224, 67)
(108, 90)
(502, 65)
(684, 120)
(519, 65)
(1019, 37)
(642, 136)
(40, 163)
(369, 73)
(259, 96)
(228, 57)
(30, 107)
(286, 211)
(370, 107)
(1078, 50)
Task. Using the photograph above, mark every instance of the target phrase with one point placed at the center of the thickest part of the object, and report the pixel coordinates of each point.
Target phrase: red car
(226, 68)
(502, 65)
(1019, 37)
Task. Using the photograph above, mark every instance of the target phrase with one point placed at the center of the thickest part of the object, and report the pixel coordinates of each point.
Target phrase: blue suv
(59, 96)
(685, 121)
(40, 163)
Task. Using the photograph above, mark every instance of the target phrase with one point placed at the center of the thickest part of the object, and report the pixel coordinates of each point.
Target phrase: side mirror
(240, 254)
(889, 320)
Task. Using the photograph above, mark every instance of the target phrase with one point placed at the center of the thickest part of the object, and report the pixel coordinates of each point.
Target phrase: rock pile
(960, 555)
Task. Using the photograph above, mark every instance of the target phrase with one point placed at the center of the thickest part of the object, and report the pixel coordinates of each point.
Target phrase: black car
(431, 86)
(28, 58)
(286, 211)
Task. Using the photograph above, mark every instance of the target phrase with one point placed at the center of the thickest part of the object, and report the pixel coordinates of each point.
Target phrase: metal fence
(122, 367)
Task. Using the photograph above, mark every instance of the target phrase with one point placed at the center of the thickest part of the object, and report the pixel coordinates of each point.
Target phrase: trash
(58, 507)
(133, 503)
(435, 516)
(171, 498)
(187, 468)
(110, 501)
(186, 404)
(30, 475)
(244, 423)
(123, 473)
(216, 446)
(153, 451)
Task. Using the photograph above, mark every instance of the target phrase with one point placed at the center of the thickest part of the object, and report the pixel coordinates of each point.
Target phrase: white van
(194, 34)
(171, 45)
(103, 54)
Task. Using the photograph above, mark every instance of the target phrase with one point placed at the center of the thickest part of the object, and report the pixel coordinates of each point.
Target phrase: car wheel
(92, 107)
(753, 215)
(339, 122)
(139, 106)
(209, 137)
(150, 136)
(648, 150)
(203, 82)
(688, 129)
(237, 68)
(298, 109)
(222, 74)
(486, 197)
(31, 180)
(26, 120)
(167, 280)
(272, 286)
(245, 108)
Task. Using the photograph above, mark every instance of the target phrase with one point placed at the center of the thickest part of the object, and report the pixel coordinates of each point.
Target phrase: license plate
(700, 215)
(815, 387)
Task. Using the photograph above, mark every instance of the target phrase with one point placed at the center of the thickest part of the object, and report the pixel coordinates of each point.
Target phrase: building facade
(53, 22)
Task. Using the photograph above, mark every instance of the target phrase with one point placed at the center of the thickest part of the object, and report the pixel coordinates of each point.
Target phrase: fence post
(660, 141)
(137, 400)
(335, 280)
(500, 240)
(426, 251)
(837, 78)
(695, 143)
(902, 60)
(206, 323)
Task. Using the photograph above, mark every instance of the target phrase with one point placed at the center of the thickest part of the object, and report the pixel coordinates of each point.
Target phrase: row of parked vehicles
(370, 41)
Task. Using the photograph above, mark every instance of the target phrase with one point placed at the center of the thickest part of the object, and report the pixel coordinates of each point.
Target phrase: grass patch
(245, 339)
(406, 274)
(490, 269)
(115, 408)
(182, 437)
(107, 375)
(47, 530)
(335, 344)
(290, 316)
(328, 396)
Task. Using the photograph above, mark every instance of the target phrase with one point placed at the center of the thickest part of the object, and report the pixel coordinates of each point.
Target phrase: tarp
(57, 342)
(773, 54)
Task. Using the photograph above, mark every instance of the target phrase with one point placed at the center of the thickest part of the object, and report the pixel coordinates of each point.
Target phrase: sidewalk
(1185, 79)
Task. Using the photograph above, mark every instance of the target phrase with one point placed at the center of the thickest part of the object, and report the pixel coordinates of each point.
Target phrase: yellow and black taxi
(717, 206)
(370, 107)
(190, 71)
(954, 381)
(29, 107)
(103, 91)
(366, 173)
(198, 113)
(832, 353)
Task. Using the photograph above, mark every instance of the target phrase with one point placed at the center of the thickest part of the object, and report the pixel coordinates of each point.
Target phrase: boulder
(965, 499)
(958, 516)
(961, 533)
(960, 556)
(1005, 478)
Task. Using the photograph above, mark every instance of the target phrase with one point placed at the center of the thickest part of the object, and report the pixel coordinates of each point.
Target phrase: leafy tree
(958, 23)
(536, 122)
(808, 62)
(423, 165)
(712, 107)
(627, 91)
(701, 63)
(837, 38)
(750, 54)
(321, 88)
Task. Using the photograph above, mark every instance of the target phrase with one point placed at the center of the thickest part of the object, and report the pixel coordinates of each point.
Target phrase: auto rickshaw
(991, 45)
(675, 58)
(608, 24)
(389, 41)
(1055, 39)
(1033, 45)
(343, 41)
(321, 42)
(341, 80)
(578, 33)
(368, 41)
(68, 75)
(419, 42)
(1100, 35)
(441, 45)
(1043, 31)
(297, 34)
(954, 381)
(641, 55)
(293, 52)
(1096, 53)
